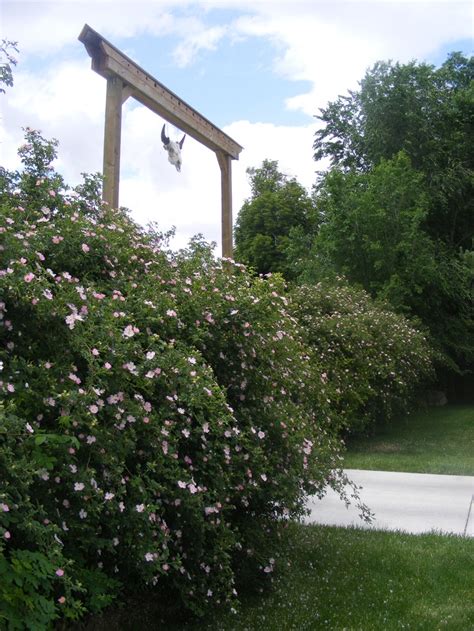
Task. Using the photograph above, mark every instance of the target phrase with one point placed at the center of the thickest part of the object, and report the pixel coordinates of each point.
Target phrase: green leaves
(424, 112)
(265, 221)
(159, 411)
(56, 439)
(369, 360)
(397, 203)
(7, 63)
(25, 591)
(373, 226)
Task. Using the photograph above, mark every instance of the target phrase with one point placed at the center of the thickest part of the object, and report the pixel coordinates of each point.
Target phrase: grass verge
(343, 579)
(349, 579)
(437, 440)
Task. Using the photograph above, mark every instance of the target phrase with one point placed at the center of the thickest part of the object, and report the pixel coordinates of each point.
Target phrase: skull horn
(182, 141)
(164, 138)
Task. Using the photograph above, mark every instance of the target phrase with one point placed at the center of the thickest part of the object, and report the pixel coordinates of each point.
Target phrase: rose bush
(159, 415)
(372, 361)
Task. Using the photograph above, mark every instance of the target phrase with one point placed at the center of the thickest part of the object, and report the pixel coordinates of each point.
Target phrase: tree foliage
(372, 229)
(426, 112)
(276, 206)
(371, 360)
(7, 63)
(397, 205)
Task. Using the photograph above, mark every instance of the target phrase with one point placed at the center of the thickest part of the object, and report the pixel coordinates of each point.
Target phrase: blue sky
(258, 69)
(437, 57)
(236, 83)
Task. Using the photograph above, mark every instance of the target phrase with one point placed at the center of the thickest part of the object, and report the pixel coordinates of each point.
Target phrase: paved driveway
(413, 502)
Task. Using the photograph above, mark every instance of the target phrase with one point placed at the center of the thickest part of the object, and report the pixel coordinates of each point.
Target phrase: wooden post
(112, 133)
(225, 163)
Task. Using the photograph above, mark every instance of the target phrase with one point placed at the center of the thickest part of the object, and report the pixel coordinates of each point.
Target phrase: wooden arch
(124, 79)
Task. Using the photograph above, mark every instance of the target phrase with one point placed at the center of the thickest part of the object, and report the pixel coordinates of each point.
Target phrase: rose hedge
(372, 361)
(159, 412)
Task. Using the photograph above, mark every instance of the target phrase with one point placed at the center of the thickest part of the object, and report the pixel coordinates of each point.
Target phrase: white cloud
(65, 91)
(44, 28)
(201, 39)
(66, 102)
(52, 25)
(291, 146)
(332, 44)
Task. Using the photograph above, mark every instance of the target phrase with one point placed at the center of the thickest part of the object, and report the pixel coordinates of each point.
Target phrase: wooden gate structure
(124, 79)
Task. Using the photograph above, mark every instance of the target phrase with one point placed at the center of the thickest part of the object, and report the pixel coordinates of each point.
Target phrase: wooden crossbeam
(108, 61)
(125, 78)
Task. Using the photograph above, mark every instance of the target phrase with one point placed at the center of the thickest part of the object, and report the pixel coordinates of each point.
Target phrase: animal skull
(173, 149)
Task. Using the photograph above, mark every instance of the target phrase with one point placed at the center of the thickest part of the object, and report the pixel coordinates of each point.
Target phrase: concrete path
(413, 502)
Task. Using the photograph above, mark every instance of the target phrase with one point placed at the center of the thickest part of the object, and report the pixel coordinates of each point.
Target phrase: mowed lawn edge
(435, 440)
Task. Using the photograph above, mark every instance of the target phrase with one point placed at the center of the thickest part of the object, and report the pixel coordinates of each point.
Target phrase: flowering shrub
(159, 411)
(371, 360)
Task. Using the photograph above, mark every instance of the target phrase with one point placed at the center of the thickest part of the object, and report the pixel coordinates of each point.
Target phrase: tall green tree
(397, 204)
(373, 233)
(428, 113)
(277, 205)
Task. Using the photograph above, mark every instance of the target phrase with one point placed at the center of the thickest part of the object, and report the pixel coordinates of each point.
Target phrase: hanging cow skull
(173, 149)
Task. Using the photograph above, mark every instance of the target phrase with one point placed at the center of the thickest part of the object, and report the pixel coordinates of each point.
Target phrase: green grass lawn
(437, 440)
(336, 579)
(342, 579)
